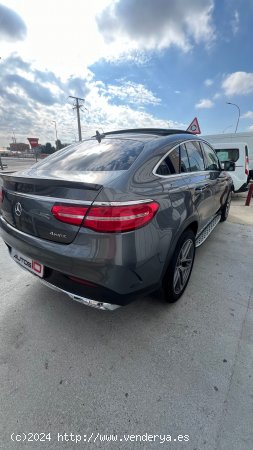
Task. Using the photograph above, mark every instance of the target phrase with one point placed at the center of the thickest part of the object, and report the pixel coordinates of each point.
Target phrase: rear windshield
(109, 155)
(228, 154)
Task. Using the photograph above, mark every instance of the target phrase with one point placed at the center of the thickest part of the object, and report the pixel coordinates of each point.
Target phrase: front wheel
(179, 270)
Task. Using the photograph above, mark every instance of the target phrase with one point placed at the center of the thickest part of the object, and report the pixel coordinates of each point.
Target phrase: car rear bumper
(84, 300)
(97, 280)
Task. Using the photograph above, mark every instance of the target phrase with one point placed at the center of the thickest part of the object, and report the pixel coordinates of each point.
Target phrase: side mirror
(229, 166)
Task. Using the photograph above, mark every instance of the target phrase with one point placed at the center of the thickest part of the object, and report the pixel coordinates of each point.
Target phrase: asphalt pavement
(11, 164)
(144, 372)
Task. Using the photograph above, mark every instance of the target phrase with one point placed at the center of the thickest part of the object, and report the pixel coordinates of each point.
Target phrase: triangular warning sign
(194, 127)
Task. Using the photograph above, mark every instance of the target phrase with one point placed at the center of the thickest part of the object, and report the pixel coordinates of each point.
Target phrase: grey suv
(117, 215)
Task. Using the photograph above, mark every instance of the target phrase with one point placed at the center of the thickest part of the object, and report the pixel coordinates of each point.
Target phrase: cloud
(30, 99)
(130, 92)
(37, 92)
(204, 103)
(77, 86)
(105, 115)
(247, 115)
(22, 81)
(208, 82)
(217, 95)
(250, 128)
(152, 25)
(12, 26)
(235, 23)
(238, 83)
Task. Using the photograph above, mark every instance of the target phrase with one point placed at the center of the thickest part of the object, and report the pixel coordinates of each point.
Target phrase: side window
(211, 159)
(185, 165)
(171, 164)
(174, 160)
(163, 169)
(195, 156)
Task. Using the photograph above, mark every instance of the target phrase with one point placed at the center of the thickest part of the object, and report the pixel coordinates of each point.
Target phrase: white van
(237, 152)
(233, 138)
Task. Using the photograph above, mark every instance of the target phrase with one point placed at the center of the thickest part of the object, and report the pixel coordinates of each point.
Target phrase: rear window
(109, 155)
(228, 154)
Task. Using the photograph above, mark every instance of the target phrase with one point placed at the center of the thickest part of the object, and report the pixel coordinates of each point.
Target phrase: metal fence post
(250, 194)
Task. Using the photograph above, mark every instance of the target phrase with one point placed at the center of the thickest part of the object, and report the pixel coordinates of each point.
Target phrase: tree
(59, 145)
(49, 149)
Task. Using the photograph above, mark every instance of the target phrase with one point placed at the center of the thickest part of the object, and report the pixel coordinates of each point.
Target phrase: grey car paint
(122, 263)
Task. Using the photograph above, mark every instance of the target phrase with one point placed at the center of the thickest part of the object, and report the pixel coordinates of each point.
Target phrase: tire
(226, 207)
(177, 275)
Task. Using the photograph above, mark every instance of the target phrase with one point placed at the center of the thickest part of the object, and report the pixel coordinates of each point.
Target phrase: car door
(217, 176)
(201, 185)
(175, 184)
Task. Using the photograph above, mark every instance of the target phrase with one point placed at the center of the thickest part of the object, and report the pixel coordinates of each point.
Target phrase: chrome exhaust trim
(85, 301)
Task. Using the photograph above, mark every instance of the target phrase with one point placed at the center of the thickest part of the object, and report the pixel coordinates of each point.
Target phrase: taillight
(73, 215)
(116, 219)
(246, 165)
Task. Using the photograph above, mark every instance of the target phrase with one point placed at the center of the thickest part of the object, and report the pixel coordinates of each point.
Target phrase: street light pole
(239, 114)
(56, 138)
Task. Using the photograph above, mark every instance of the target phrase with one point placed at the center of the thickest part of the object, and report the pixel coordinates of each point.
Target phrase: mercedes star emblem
(18, 209)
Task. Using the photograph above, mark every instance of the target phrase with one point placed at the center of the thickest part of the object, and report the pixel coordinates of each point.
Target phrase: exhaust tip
(94, 304)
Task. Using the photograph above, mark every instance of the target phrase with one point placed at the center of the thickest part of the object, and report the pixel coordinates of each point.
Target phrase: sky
(136, 63)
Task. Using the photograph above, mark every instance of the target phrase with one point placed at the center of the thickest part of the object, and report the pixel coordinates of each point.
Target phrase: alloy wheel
(183, 266)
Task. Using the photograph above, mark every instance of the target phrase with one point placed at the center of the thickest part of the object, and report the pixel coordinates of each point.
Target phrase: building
(19, 147)
(4, 151)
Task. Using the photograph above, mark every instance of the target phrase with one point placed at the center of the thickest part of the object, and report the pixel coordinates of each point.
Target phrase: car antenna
(99, 136)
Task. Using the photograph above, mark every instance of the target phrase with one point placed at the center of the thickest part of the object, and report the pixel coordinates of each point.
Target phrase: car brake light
(73, 215)
(116, 219)
(246, 165)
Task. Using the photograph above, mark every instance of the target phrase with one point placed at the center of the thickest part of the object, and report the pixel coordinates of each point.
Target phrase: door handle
(201, 188)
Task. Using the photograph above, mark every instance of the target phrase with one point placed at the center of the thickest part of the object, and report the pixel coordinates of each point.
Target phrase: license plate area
(28, 263)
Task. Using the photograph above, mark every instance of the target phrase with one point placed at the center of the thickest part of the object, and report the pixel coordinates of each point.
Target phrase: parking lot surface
(11, 164)
(146, 369)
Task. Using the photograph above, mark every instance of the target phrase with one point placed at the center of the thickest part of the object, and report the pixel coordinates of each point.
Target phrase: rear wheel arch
(193, 226)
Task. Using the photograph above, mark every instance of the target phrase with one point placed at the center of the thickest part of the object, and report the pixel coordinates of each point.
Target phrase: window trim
(167, 154)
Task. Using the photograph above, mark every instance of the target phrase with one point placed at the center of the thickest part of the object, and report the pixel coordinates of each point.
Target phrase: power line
(77, 105)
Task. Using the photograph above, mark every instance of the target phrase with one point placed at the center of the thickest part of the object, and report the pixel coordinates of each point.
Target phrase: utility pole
(56, 137)
(77, 106)
(14, 137)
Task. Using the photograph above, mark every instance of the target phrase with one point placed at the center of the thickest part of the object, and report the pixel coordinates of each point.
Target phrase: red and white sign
(194, 127)
(34, 142)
